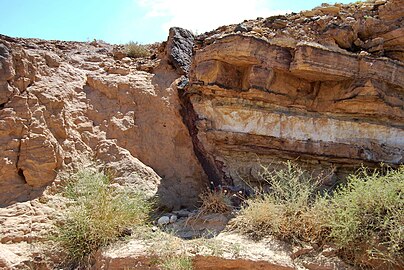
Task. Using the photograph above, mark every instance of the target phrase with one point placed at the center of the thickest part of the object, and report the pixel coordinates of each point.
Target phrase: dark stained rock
(242, 28)
(179, 49)
(6, 69)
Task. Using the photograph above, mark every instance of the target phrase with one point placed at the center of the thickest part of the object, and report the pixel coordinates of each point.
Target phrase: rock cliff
(323, 87)
(63, 103)
(263, 93)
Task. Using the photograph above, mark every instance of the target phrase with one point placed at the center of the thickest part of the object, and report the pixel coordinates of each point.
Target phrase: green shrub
(98, 214)
(366, 216)
(284, 211)
(136, 50)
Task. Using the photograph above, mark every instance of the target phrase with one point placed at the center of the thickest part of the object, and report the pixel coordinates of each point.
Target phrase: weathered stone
(391, 10)
(5, 92)
(330, 9)
(252, 104)
(393, 44)
(311, 13)
(268, 255)
(164, 220)
(242, 28)
(52, 59)
(179, 49)
(279, 24)
(127, 170)
(77, 111)
(318, 63)
(38, 159)
(173, 218)
(6, 67)
(343, 35)
(13, 257)
(117, 70)
(118, 54)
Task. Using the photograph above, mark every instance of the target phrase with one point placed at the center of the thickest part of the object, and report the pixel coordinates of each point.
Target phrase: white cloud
(205, 15)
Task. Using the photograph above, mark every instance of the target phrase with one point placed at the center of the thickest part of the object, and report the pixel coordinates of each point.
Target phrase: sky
(144, 21)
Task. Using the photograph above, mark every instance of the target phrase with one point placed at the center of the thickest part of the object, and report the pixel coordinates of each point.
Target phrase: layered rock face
(323, 87)
(261, 101)
(64, 103)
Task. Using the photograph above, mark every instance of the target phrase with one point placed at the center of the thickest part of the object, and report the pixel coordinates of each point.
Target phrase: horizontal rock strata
(259, 102)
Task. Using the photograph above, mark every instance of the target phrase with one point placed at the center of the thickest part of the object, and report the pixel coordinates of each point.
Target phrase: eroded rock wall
(324, 87)
(261, 101)
(64, 103)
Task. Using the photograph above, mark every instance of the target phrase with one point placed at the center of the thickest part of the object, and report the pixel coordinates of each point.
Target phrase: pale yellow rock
(62, 108)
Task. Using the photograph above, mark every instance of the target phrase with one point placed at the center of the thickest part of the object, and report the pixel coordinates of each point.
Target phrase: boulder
(179, 49)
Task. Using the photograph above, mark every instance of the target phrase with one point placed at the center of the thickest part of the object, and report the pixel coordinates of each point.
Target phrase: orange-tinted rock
(391, 10)
(210, 262)
(321, 106)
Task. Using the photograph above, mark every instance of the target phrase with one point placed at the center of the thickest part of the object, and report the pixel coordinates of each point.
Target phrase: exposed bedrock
(65, 103)
(262, 103)
(324, 87)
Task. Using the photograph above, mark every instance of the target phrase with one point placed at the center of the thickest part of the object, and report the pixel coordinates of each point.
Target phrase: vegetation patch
(98, 215)
(176, 262)
(364, 218)
(215, 202)
(136, 50)
(284, 209)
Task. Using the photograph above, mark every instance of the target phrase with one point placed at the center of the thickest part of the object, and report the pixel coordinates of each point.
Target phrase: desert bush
(215, 202)
(136, 50)
(98, 214)
(284, 210)
(366, 216)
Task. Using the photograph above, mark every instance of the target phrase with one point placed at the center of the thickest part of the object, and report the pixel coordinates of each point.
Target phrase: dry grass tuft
(284, 211)
(98, 215)
(363, 218)
(215, 202)
(366, 217)
(176, 262)
(136, 50)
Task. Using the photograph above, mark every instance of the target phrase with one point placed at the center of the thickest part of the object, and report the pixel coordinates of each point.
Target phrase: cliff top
(372, 27)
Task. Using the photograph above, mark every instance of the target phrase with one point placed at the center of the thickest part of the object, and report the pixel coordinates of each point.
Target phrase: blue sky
(120, 21)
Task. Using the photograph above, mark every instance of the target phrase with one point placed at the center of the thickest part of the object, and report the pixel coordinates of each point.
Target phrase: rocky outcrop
(63, 103)
(323, 87)
(259, 100)
(179, 48)
(226, 251)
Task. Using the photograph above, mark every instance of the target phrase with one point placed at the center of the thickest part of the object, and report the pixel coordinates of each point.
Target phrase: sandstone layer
(322, 87)
(258, 100)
